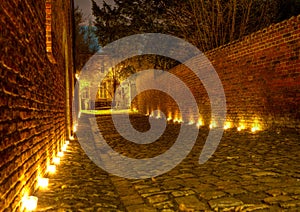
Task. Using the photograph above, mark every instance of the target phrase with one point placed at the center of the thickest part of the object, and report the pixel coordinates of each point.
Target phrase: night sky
(86, 7)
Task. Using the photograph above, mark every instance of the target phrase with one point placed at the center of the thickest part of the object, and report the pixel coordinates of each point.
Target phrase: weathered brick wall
(32, 94)
(260, 75)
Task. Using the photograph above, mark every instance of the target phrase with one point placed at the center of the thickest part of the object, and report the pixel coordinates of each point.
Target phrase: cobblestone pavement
(248, 172)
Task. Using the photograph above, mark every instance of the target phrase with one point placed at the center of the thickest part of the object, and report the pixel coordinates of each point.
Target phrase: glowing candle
(51, 169)
(200, 122)
(64, 147)
(43, 182)
(60, 154)
(191, 122)
(241, 127)
(30, 202)
(75, 128)
(227, 125)
(56, 160)
(158, 116)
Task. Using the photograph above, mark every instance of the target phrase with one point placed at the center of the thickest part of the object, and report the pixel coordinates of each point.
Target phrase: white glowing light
(51, 169)
(30, 202)
(43, 182)
(60, 154)
(227, 125)
(56, 160)
(241, 127)
(75, 128)
(67, 142)
(254, 129)
(191, 122)
(64, 147)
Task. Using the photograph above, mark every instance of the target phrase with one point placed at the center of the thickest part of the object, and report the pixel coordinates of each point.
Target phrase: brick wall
(32, 93)
(260, 75)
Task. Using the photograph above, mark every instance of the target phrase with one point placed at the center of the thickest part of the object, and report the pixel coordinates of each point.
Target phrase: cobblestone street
(248, 172)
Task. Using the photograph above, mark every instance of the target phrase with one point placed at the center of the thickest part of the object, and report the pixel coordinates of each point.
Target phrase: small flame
(43, 182)
(158, 114)
(51, 169)
(64, 147)
(75, 128)
(255, 126)
(152, 114)
(169, 116)
(200, 122)
(60, 154)
(212, 124)
(191, 122)
(56, 160)
(241, 127)
(227, 125)
(30, 202)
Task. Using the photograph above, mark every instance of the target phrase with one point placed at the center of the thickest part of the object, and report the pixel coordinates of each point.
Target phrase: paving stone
(208, 195)
(140, 208)
(292, 190)
(290, 204)
(276, 192)
(191, 202)
(225, 202)
(157, 198)
(251, 207)
(235, 191)
(264, 173)
(258, 170)
(164, 205)
(132, 200)
(182, 193)
(277, 199)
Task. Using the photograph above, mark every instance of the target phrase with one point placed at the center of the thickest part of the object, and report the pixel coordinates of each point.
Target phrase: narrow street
(248, 172)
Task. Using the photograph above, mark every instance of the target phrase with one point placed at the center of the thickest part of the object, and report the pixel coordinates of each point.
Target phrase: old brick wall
(260, 75)
(32, 93)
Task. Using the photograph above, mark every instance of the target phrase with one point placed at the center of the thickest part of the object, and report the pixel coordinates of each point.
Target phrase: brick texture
(32, 93)
(260, 75)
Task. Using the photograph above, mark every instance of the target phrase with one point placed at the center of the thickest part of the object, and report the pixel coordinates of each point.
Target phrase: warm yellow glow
(134, 109)
(43, 182)
(30, 202)
(254, 129)
(56, 160)
(176, 119)
(169, 116)
(77, 76)
(151, 115)
(227, 125)
(255, 126)
(212, 124)
(200, 122)
(71, 138)
(75, 128)
(191, 122)
(60, 154)
(158, 114)
(64, 147)
(67, 142)
(51, 169)
(241, 126)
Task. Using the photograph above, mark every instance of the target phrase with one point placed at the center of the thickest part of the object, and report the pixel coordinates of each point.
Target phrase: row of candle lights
(30, 202)
(255, 126)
